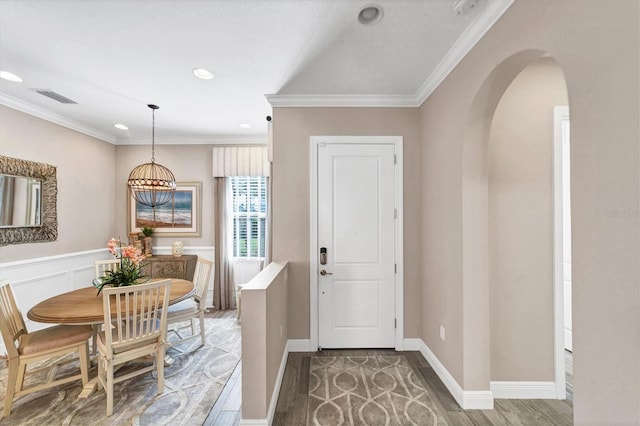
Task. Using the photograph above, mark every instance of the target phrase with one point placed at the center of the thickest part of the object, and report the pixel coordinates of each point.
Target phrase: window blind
(249, 212)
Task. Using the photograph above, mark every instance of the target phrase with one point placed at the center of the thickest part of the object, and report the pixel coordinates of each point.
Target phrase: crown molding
(36, 111)
(356, 101)
(218, 140)
(492, 11)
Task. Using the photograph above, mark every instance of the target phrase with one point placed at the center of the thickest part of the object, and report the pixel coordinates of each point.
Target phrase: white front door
(356, 208)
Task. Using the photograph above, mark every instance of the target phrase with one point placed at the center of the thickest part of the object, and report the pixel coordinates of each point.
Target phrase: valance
(240, 161)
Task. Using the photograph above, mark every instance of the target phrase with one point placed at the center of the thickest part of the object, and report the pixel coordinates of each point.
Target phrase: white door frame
(560, 113)
(315, 141)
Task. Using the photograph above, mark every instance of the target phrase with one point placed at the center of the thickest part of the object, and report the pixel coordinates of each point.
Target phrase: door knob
(323, 273)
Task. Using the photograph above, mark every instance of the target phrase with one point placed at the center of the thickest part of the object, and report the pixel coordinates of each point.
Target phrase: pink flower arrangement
(130, 270)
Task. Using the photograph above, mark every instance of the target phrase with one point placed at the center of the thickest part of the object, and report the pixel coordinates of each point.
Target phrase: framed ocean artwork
(178, 217)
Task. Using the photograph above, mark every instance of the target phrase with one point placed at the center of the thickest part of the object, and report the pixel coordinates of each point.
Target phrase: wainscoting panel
(37, 279)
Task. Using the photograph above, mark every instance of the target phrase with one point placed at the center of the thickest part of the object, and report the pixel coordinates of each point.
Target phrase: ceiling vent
(55, 96)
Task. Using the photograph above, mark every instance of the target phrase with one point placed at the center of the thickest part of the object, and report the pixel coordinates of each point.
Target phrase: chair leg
(109, 388)
(160, 367)
(95, 328)
(193, 327)
(22, 369)
(202, 336)
(11, 386)
(83, 353)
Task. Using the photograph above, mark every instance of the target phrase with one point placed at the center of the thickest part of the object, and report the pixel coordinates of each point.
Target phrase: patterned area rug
(368, 390)
(193, 383)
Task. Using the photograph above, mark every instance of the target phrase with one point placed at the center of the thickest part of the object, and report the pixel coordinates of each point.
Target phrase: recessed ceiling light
(203, 73)
(6, 75)
(245, 125)
(120, 126)
(370, 14)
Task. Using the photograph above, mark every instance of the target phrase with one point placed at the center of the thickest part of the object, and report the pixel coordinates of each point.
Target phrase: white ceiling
(115, 57)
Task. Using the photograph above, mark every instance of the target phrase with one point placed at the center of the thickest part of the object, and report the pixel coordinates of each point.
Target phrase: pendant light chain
(153, 135)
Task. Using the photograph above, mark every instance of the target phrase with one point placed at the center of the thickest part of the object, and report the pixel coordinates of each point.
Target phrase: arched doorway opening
(508, 230)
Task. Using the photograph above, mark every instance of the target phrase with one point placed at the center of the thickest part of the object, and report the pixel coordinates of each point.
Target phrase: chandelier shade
(152, 184)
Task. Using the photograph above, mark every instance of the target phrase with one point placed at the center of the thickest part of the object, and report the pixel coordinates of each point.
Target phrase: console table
(167, 266)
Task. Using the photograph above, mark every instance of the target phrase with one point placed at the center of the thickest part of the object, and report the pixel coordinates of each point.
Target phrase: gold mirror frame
(48, 231)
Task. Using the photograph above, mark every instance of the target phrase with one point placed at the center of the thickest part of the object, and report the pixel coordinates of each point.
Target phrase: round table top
(84, 306)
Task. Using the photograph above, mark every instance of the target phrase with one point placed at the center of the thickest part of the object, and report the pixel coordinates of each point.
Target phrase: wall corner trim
(524, 390)
(299, 345)
(293, 345)
(468, 400)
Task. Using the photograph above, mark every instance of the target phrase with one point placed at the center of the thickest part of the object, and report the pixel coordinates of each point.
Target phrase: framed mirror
(28, 197)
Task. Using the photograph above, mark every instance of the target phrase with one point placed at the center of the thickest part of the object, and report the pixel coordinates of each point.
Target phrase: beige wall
(292, 128)
(520, 174)
(264, 338)
(189, 163)
(85, 174)
(586, 38)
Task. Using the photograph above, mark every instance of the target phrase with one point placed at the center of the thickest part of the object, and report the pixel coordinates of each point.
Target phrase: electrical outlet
(442, 333)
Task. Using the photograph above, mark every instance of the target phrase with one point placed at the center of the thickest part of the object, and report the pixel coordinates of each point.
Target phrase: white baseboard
(293, 345)
(300, 345)
(412, 344)
(468, 400)
(254, 422)
(523, 390)
(276, 388)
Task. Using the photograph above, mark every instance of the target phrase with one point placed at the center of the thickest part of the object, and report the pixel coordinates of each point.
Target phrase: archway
(477, 289)
(521, 244)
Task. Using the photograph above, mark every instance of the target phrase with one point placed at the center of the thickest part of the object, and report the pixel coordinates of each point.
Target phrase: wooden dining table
(84, 306)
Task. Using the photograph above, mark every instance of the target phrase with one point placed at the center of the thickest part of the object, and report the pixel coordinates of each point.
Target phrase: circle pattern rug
(192, 384)
(368, 390)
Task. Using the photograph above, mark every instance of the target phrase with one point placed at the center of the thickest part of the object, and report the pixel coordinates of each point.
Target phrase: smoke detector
(370, 14)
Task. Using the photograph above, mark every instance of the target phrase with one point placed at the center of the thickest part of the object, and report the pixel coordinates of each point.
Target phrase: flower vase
(148, 246)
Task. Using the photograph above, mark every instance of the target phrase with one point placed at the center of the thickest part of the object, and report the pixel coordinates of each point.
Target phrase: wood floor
(293, 400)
(291, 409)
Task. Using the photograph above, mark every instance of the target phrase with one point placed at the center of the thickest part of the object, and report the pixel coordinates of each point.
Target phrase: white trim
(487, 17)
(36, 111)
(293, 345)
(412, 344)
(276, 387)
(300, 345)
(253, 422)
(523, 390)
(356, 101)
(559, 114)
(468, 400)
(314, 141)
(46, 259)
(214, 140)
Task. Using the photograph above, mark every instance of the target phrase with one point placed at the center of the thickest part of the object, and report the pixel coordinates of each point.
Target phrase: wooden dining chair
(134, 329)
(102, 266)
(25, 348)
(190, 309)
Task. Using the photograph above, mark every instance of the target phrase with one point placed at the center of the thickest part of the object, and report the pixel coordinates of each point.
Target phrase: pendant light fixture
(152, 184)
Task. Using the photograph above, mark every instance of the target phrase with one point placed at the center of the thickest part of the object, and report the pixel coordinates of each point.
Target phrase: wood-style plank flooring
(226, 410)
(291, 409)
(293, 401)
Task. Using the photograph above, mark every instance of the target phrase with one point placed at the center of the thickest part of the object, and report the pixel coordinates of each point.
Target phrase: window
(249, 210)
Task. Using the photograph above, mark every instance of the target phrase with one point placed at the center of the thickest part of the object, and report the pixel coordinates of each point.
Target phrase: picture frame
(179, 217)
